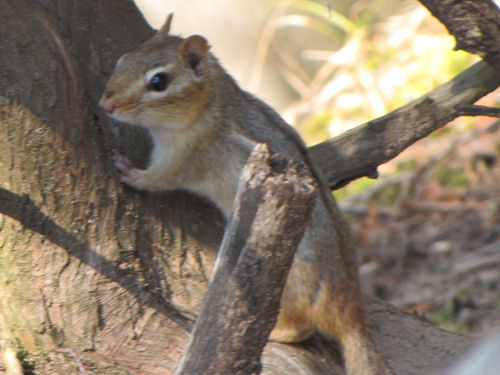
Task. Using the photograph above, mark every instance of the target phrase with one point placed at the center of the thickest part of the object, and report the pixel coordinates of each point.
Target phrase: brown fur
(203, 127)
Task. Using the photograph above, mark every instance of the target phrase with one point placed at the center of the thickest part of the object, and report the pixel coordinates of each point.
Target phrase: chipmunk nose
(107, 104)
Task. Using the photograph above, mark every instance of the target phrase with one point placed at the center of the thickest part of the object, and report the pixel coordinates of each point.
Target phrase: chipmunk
(203, 128)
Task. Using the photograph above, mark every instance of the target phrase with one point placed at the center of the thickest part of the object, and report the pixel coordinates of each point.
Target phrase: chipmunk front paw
(128, 174)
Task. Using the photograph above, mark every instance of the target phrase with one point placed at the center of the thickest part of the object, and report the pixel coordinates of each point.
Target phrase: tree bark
(359, 152)
(475, 24)
(273, 205)
(89, 266)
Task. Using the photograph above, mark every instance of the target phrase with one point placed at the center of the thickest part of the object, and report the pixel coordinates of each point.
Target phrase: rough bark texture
(241, 305)
(359, 152)
(475, 24)
(87, 264)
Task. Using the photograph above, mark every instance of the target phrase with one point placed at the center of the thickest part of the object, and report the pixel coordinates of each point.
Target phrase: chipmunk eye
(158, 82)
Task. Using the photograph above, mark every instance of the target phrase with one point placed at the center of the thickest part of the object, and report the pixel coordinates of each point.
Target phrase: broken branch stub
(272, 207)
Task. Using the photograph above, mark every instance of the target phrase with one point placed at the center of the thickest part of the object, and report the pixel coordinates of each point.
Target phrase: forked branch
(359, 152)
(475, 24)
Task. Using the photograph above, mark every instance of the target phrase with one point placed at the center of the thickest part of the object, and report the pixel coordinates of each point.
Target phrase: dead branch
(359, 152)
(443, 207)
(478, 110)
(240, 307)
(475, 24)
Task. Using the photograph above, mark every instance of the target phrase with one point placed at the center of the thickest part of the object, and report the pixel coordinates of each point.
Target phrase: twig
(444, 206)
(477, 110)
(363, 210)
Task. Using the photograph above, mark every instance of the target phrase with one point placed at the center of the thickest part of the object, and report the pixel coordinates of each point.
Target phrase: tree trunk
(87, 263)
(90, 267)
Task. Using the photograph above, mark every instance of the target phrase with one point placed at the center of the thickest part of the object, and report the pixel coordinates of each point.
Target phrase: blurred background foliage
(351, 61)
(428, 229)
(347, 62)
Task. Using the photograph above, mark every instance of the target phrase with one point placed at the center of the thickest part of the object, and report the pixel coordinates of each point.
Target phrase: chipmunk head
(160, 84)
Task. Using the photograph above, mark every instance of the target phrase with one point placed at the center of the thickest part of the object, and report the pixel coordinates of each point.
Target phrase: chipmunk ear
(193, 51)
(164, 30)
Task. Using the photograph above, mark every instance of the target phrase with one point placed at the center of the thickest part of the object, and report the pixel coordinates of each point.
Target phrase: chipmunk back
(203, 128)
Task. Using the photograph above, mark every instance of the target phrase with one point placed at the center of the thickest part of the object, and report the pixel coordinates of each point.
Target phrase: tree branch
(241, 305)
(359, 152)
(477, 110)
(475, 24)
